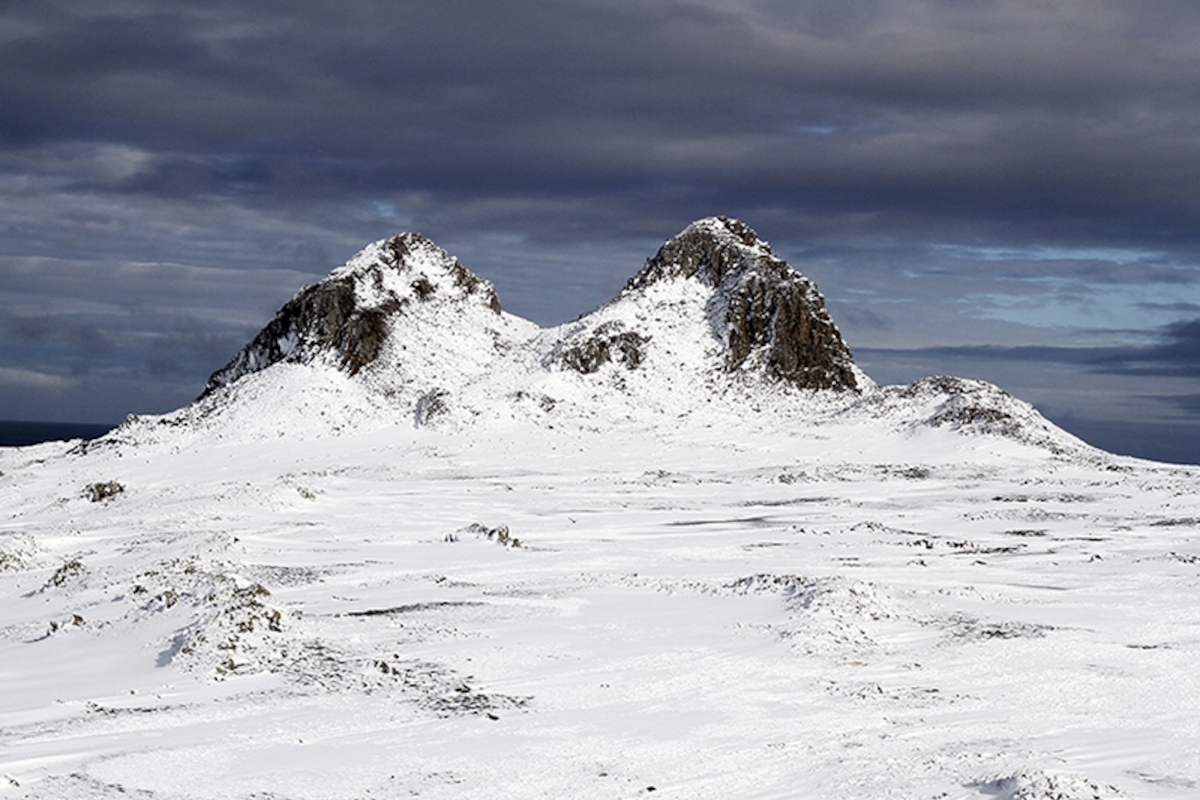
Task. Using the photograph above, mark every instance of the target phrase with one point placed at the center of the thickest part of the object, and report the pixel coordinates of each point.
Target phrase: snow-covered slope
(761, 610)
(396, 294)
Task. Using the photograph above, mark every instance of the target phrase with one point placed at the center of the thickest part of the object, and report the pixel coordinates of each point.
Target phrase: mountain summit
(348, 319)
(400, 307)
(766, 314)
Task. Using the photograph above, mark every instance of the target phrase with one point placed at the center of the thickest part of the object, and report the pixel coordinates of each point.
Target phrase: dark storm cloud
(1187, 402)
(39, 330)
(1177, 356)
(77, 343)
(189, 348)
(1072, 120)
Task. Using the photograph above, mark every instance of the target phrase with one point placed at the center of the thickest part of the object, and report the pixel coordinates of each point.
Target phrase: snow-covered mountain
(407, 312)
(408, 545)
(714, 326)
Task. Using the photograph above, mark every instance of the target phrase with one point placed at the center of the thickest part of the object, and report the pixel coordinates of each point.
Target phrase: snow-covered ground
(785, 610)
(409, 546)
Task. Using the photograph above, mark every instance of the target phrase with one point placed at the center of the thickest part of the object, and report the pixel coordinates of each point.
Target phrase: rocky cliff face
(767, 314)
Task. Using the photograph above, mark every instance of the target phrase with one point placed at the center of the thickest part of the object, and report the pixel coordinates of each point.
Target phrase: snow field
(845, 612)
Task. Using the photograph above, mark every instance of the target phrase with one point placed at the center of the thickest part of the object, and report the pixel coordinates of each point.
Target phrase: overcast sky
(1002, 189)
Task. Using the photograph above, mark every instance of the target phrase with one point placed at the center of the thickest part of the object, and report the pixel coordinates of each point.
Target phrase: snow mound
(235, 633)
(967, 406)
(825, 613)
(834, 596)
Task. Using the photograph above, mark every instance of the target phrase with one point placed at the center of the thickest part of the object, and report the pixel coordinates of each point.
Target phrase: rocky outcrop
(347, 318)
(607, 343)
(767, 314)
(967, 406)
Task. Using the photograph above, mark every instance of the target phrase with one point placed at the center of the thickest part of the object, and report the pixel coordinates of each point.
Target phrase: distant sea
(17, 434)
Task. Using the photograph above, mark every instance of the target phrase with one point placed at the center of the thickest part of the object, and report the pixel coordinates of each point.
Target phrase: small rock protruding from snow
(767, 314)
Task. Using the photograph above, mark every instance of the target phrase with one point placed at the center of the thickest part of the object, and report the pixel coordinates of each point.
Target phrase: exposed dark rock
(700, 249)
(433, 404)
(767, 314)
(103, 491)
(423, 288)
(321, 316)
(68, 572)
(472, 284)
(607, 342)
